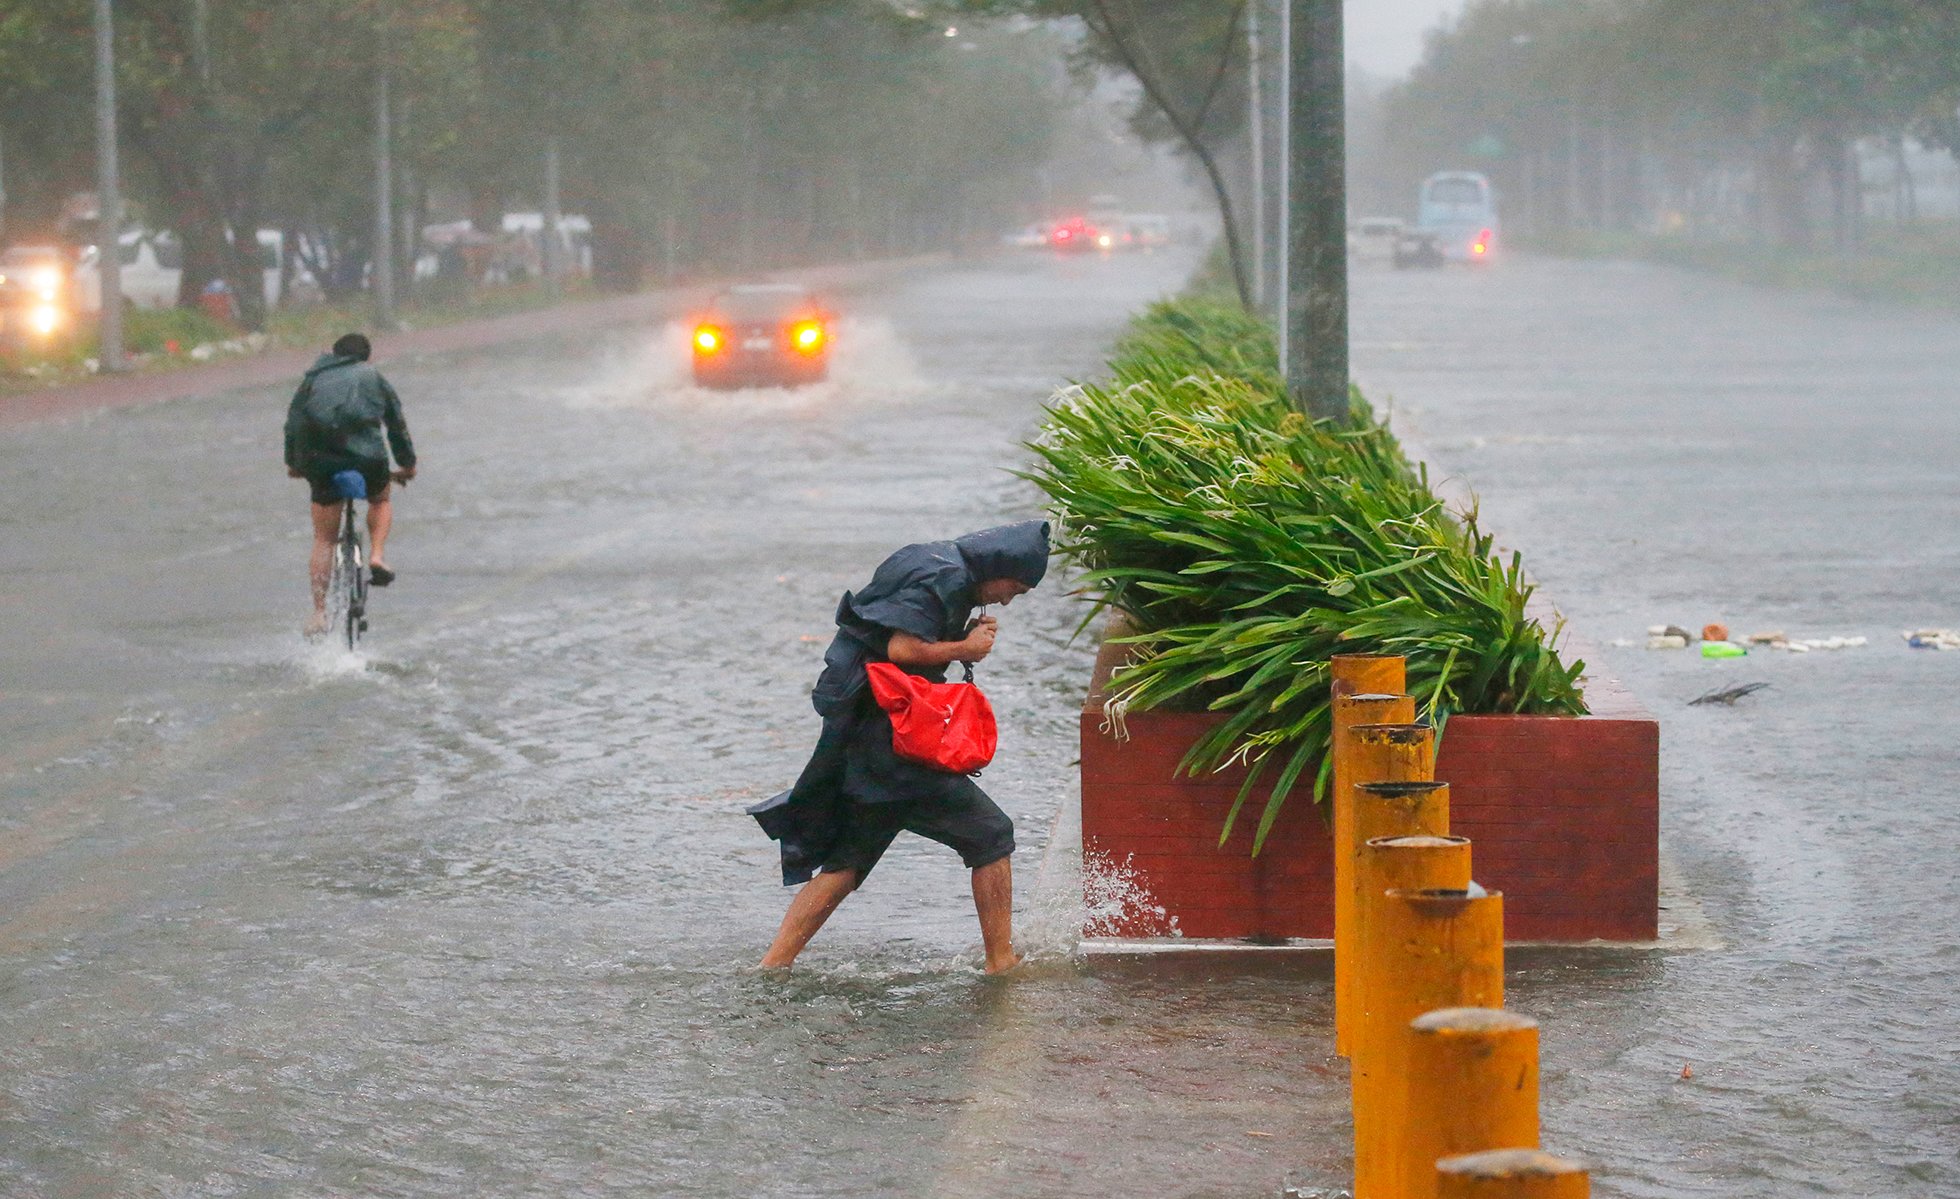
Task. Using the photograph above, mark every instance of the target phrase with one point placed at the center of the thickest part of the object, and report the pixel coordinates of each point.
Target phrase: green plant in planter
(1246, 545)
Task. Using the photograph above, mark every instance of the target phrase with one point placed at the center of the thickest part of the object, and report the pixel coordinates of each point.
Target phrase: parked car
(762, 333)
(153, 265)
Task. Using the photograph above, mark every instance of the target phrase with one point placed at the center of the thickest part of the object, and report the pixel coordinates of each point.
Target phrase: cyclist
(335, 424)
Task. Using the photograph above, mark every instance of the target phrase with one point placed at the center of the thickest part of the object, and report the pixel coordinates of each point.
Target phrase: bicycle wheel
(347, 584)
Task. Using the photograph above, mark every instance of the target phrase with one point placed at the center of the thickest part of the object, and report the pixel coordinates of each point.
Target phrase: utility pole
(549, 247)
(108, 194)
(1317, 295)
(384, 200)
(1256, 140)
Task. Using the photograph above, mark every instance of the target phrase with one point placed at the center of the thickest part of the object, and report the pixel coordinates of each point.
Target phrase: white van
(153, 267)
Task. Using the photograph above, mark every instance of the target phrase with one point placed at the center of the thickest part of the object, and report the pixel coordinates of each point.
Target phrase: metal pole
(108, 193)
(3, 183)
(1472, 1086)
(550, 251)
(1256, 141)
(384, 205)
(1283, 225)
(1426, 949)
(1316, 302)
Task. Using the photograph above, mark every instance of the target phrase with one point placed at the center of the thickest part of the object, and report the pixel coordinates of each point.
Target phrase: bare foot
(1013, 963)
(316, 626)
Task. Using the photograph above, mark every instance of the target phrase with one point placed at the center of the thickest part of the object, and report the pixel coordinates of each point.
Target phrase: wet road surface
(472, 913)
(1668, 448)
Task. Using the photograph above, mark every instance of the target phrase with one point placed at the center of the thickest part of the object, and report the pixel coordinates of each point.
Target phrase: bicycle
(347, 585)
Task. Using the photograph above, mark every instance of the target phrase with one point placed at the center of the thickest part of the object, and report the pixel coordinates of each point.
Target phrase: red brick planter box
(1563, 813)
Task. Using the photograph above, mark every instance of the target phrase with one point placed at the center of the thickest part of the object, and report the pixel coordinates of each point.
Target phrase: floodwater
(474, 912)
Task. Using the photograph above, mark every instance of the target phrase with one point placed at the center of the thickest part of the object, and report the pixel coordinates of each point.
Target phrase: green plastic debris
(1722, 649)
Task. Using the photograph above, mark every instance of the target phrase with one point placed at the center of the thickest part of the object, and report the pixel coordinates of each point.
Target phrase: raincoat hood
(1018, 552)
(327, 362)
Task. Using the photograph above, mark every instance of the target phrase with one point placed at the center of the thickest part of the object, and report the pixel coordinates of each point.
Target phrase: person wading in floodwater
(856, 795)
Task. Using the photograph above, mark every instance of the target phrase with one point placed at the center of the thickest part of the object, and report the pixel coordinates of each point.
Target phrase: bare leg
(993, 899)
(326, 530)
(807, 912)
(381, 518)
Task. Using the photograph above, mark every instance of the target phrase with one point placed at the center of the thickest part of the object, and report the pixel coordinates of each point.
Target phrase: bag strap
(968, 667)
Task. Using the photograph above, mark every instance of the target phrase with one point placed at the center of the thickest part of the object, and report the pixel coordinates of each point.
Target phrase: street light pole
(108, 194)
(549, 247)
(1256, 140)
(1317, 293)
(384, 201)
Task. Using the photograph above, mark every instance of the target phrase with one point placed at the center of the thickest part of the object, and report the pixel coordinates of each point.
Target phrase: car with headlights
(758, 334)
(36, 302)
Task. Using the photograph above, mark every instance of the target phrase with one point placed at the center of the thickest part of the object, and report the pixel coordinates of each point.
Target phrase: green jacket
(337, 416)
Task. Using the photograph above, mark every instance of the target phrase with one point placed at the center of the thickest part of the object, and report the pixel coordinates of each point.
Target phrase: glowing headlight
(44, 319)
(1105, 240)
(707, 339)
(808, 336)
(46, 280)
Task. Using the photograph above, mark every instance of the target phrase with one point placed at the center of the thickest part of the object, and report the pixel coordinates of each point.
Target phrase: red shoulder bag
(947, 726)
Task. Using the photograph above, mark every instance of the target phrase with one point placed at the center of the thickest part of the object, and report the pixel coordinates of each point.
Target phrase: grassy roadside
(1919, 266)
(172, 338)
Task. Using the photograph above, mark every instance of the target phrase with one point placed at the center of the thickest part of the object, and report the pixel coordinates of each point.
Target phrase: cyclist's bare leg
(380, 518)
(326, 531)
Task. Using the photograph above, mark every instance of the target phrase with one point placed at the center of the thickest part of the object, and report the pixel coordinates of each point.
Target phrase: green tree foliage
(697, 136)
(1606, 113)
(1188, 58)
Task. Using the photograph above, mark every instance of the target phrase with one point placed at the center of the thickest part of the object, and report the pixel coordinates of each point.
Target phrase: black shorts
(963, 819)
(324, 492)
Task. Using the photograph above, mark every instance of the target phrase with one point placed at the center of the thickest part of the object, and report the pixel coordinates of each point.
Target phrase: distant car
(755, 334)
(1460, 209)
(1418, 248)
(1028, 237)
(1077, 234)
(1373, 239)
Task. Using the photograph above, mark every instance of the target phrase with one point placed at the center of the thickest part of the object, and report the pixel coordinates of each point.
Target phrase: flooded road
(473, 913)
(1668, 448)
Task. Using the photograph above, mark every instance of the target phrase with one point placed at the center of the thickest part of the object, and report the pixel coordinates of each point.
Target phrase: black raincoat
(338, 416)
(928, 590)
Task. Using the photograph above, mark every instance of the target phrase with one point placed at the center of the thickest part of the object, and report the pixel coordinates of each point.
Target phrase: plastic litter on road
(1668, 636)
(1931, 638)
(1726, 695)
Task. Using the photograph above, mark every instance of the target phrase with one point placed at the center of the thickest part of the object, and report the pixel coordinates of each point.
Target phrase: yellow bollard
(1385, 864)
(1511, 1174)
(1360, 674)
(1428, 948)
(1374, 753)
(1392, 813)
(1350, 711)
(1412, 863)
(1472, 1083)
